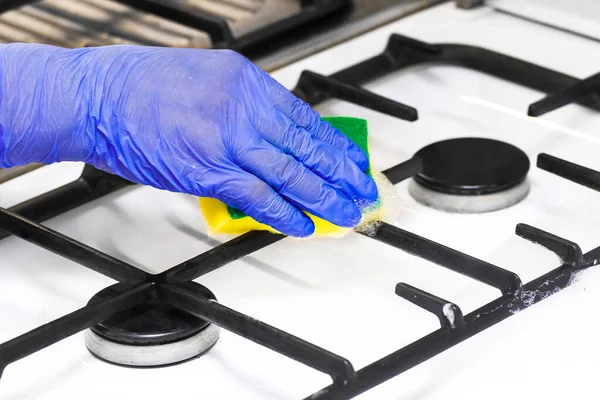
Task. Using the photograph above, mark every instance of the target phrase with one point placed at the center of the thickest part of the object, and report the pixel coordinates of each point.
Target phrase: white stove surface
(339, 294)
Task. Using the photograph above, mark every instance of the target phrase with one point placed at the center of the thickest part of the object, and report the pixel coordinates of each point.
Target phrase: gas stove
(447, 300)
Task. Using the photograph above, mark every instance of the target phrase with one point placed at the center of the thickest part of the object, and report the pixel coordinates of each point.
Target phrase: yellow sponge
(222, 219)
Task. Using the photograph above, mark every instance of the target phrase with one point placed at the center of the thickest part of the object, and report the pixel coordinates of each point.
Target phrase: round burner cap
(472, 166)
(151, 323)
(151, 334)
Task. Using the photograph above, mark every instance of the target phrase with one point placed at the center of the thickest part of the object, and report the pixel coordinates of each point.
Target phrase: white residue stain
(389, 211)
(573, 278)
(449, 313)
(529, 297)
(490, 312)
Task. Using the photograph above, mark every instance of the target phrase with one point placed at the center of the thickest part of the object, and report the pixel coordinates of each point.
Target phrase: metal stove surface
(339, 294)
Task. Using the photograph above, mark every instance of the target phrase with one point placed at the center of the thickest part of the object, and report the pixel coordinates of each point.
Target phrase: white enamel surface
(580, 16)
(339, 294)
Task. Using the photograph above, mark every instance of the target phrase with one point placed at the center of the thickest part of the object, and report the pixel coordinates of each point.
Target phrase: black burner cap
(472, 166)
(151, 323)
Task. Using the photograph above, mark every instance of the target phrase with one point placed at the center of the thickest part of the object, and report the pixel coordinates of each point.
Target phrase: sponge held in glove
(222, 219)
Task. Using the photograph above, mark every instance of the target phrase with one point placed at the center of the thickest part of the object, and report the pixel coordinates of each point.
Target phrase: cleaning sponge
(222, 219)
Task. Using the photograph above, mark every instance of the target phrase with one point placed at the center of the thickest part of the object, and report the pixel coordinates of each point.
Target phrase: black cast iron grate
(175, 285)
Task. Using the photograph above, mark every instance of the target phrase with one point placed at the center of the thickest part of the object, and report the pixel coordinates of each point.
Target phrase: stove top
(380, 316)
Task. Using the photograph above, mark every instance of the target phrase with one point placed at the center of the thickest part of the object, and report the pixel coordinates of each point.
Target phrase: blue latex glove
(208, 123)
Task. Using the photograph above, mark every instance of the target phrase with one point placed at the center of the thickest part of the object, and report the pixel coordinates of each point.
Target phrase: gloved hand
(208, 123)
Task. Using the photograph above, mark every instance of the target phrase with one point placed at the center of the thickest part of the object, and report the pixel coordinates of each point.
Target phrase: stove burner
(150, 334)
(471, 175)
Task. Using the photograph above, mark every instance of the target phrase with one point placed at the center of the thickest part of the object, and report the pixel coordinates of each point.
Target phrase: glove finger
(305, 117)
(258, 200)
(297, 184)
(320, 157)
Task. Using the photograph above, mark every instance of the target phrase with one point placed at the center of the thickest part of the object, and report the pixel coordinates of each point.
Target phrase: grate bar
(403, 52)
(570, 253)
(573, 172)
(221, 255)
(70, 324)
(366, 71)
(315, 86)
(579, 90)
(506, 281)
(398, 45)
(91, 185)
(405, 170)
(443, 339)
(449, 314)
(502, 66)
(340, 369)
(69, 248)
